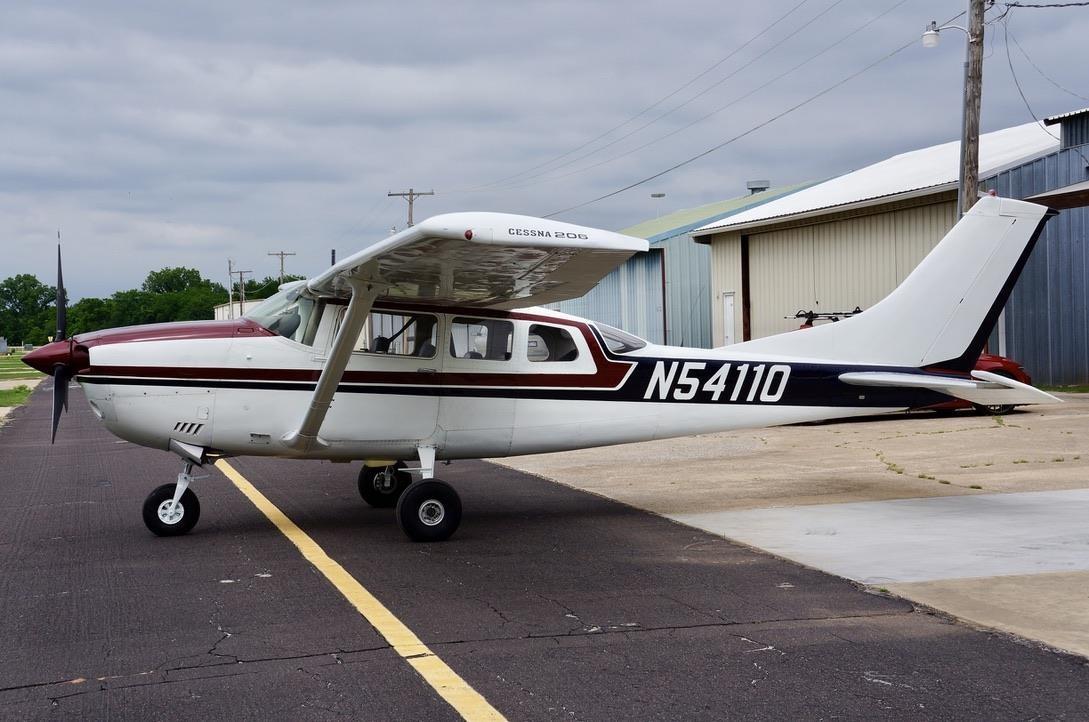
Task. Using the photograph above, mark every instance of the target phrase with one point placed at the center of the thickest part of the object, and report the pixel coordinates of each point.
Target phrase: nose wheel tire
(429, 511)
(162, 520)
(382, 486)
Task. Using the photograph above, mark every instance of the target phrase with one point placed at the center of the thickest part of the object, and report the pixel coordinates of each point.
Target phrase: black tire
(996, 409)
(158, 499)
(373, 491)
(429, 511)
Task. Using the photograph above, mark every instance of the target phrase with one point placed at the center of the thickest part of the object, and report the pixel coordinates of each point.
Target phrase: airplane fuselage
(237, 388)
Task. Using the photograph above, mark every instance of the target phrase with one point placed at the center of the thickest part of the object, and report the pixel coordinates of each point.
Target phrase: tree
(23, 299)
(266, 287)
(172, 280)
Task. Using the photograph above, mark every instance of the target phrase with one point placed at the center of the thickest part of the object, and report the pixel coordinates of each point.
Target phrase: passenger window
(548, 343)
(481, 338)
(398, 334)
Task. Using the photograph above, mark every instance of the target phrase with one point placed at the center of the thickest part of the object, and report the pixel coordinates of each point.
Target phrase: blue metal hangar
(849, 241)
(664, 295)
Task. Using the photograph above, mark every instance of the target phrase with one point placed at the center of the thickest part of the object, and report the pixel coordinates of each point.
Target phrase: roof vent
(757, 186)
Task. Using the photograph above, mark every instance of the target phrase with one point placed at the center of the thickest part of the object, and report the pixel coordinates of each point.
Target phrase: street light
(967, 187)
(658, 207)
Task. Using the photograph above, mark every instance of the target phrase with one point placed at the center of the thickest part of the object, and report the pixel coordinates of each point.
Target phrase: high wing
(489, 260)
(484, 260)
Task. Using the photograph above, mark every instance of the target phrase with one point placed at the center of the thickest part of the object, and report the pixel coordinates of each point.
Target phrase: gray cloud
(180, 134)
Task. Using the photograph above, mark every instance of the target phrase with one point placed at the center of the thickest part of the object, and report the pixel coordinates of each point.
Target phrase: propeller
(62, 373)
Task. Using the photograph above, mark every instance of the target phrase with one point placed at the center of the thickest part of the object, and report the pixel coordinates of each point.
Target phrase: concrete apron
(981, 518)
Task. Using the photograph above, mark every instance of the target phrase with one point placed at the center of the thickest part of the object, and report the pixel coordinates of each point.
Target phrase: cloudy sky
(155, 134)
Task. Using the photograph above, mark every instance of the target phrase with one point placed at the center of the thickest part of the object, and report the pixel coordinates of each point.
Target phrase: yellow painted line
(467, 701)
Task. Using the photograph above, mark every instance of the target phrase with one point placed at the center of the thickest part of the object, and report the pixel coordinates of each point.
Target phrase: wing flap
(984, 388)
(491, 260)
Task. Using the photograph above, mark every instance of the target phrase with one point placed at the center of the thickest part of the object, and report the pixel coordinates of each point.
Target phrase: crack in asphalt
(116, 681)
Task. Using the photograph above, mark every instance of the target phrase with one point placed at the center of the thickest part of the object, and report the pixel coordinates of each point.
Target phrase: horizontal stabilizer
(983, 388)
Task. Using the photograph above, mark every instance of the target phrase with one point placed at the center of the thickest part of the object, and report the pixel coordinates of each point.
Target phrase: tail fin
(943, 312)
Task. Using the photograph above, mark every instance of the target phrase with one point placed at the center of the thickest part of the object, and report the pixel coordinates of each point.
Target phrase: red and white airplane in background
(424, 347)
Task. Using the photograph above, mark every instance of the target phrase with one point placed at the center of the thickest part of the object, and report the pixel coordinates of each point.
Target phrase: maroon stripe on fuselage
(609, 373)
(180, 331)
(611, 378)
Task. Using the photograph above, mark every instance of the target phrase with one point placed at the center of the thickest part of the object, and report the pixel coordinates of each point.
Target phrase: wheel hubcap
(432, 512)
(166, 516)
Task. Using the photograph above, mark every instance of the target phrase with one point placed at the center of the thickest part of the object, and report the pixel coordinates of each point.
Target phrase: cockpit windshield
(619, 341)
(289, 313)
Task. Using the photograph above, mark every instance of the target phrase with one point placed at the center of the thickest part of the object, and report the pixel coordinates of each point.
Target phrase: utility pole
(411, 195)
(230, 289)
(973, 90)
(281, 254)
(241, 290)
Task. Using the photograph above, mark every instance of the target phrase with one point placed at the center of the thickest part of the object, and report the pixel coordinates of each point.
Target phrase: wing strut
(306, 437)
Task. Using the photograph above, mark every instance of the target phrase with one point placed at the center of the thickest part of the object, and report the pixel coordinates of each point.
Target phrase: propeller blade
(62, 303)
(61, 376)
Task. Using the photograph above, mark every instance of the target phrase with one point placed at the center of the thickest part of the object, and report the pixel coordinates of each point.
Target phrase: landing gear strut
(429, 510)
(173, 509)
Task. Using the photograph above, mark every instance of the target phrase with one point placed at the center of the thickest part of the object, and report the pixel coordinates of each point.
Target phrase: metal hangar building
(664, 295)
(849, 241)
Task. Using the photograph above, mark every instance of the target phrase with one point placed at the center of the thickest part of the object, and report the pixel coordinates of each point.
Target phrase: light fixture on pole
(968, 183)
(658, 206)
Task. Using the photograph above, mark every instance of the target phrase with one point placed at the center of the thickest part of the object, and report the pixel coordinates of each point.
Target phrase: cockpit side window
(289, 313)
(619, 341)
(549, 343)
(481, 338)
(399, 334)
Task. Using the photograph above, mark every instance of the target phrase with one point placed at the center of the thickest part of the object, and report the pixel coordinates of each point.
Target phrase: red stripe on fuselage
(609, 374)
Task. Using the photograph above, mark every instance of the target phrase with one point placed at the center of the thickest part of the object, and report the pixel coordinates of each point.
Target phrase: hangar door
(837, 265)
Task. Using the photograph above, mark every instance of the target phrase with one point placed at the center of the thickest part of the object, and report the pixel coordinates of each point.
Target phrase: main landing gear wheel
(382, 486)
(163, 520)
(995, 409)
(429, 511)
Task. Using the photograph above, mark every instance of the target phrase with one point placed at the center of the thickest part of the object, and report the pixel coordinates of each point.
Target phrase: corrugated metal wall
(725, 278)
(630, 298)
(835, 266)
(1047, 317)
(688, 292)
(1075, 130)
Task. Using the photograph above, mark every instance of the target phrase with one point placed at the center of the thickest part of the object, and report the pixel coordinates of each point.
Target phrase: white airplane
(423, 347)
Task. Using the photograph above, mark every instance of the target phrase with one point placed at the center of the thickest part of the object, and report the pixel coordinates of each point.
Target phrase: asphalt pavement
(551, 603)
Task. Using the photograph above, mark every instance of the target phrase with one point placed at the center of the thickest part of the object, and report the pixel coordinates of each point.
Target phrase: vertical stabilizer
(943, 312)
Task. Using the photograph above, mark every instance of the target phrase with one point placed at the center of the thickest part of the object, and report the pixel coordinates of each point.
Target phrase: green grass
(14, 397)
(1078, 389)
(12, 367)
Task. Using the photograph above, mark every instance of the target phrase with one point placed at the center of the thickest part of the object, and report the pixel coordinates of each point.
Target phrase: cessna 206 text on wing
(425, 347)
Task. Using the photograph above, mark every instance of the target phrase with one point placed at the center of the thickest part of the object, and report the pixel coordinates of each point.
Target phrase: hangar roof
(915, 173)
(681, 222)
(1052, 120)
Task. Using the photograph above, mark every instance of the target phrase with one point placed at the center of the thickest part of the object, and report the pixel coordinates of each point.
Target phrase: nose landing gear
(173, 509)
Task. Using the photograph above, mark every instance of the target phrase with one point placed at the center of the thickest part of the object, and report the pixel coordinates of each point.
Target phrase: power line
(1045, 76)
(695, 97)
(1017, 83)
(650, 107)
(750, 131)
(733, 102)
(1047, 5)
